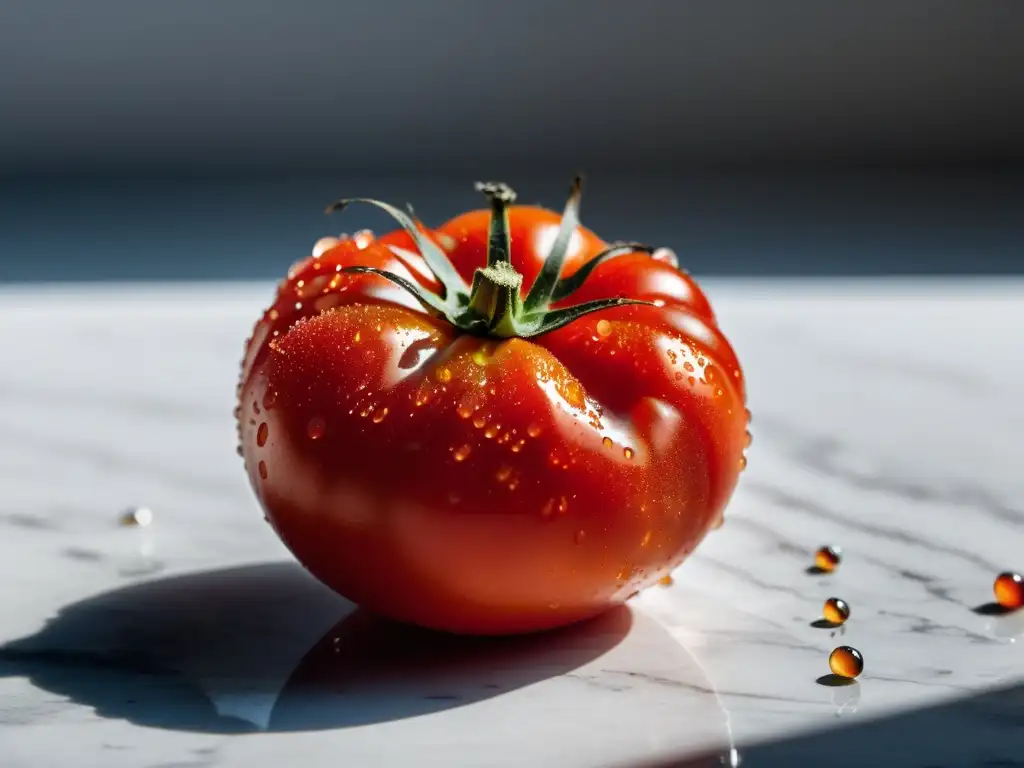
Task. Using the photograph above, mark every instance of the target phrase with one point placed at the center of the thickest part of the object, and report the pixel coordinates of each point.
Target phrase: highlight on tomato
(501, 425)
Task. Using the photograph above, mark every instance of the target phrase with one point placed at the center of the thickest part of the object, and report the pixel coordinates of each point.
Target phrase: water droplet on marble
(136, 517)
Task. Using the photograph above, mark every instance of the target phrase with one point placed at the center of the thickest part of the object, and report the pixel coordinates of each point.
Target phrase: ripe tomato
(502, 425)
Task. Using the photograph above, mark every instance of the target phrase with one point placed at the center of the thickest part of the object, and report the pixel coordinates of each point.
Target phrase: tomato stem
(496, 300)
(493, 305)
(499, 243)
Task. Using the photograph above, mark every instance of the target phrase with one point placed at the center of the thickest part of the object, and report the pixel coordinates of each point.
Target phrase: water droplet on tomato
(749, 417)
(574, 395)
(691, 380)
(465, 408)
(503, 439)
(324, 244)
(548, 510)
(261, 434)
(363, 238)
(263, 469)
(666, 581)
(679, 376)
(563, 505)
(269, 399)
(743, 463)
(604, 327)
(516, 448)
(255, 407)
(607, 442)
(747, 439)
(533, 430)
(688, 366)
(462, 452)
(579, 537)
(627, 452)
(380, 415)
(444, 375)
(492, 431)
(646, 539)
(315, 428)
(480, 421)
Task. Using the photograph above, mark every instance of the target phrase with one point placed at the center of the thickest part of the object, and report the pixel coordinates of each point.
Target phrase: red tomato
(450, 430)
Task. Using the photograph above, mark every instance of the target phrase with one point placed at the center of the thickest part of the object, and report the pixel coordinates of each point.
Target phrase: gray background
(201, 139)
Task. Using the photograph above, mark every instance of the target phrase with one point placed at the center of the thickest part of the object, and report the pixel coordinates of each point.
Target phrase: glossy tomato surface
(484, 485)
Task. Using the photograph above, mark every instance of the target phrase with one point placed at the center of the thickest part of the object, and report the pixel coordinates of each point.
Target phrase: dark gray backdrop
(201, 139)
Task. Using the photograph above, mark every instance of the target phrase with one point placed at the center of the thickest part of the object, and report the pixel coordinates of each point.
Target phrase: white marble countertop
(887, 419)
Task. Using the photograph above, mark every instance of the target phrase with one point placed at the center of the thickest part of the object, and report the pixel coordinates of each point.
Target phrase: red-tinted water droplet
(315, 428)
(261, 434)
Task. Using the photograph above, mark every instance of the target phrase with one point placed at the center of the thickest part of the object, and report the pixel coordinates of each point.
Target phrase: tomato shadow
(267, 648)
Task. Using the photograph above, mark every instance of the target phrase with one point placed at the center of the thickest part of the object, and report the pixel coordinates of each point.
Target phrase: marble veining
(887, 420)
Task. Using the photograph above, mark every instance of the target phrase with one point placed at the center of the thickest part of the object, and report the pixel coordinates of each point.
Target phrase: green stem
(495, 302)
(499, 244)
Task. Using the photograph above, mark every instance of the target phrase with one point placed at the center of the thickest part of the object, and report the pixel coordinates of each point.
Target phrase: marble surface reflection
(887, 419)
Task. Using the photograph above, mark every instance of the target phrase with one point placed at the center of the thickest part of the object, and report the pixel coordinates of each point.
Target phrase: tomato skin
(489, 486)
